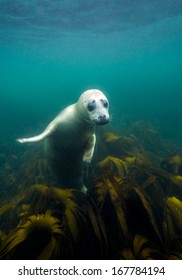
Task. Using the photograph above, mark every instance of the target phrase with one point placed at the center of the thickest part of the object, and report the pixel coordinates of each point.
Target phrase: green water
(132, 53)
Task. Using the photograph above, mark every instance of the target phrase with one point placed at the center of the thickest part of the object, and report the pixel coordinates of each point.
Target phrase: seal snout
(102, 119)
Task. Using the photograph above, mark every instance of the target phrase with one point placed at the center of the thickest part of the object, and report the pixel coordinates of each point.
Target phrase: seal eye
(105, 104)
(90, 107)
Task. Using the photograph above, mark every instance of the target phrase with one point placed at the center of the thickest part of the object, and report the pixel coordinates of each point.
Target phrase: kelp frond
(39, 233)
(175, 206)
(145, 249)
(142, 249)
(115, 164)
(173, 164)
(108, 188)
(80, 215)
(148, 208)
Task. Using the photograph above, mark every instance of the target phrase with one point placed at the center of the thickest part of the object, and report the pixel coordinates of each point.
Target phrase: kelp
(9, 163)
(142, 249)
(172, 229)
(29, 233)
(80, 215)
(19, 170)
(81, 223)
(10, 213)
(150, 138)
(173, 164)
(110, 190)
(34, 169)
(2, 237)
(149, 210)
(120, 145)
(175, 206)
(117, 165)
(132, 209)
(137, 192)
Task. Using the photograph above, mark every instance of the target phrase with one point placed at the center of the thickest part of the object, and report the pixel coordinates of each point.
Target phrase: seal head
(94, 106)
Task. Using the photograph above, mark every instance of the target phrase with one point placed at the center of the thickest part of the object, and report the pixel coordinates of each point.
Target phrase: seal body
(70, 138)
(65, 149)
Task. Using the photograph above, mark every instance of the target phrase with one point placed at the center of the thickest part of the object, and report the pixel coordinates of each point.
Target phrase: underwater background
(51, 52)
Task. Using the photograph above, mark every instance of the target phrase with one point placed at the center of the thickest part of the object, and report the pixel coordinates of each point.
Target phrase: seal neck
(82, 118)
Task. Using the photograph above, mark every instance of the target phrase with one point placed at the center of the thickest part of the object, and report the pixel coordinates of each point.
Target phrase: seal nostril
(102, 117)
(102, 120)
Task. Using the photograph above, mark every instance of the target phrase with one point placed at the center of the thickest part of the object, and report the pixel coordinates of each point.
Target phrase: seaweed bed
(132, 210)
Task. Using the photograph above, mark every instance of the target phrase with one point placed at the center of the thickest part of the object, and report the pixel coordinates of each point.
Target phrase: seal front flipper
(89, 151)
(49, 129)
